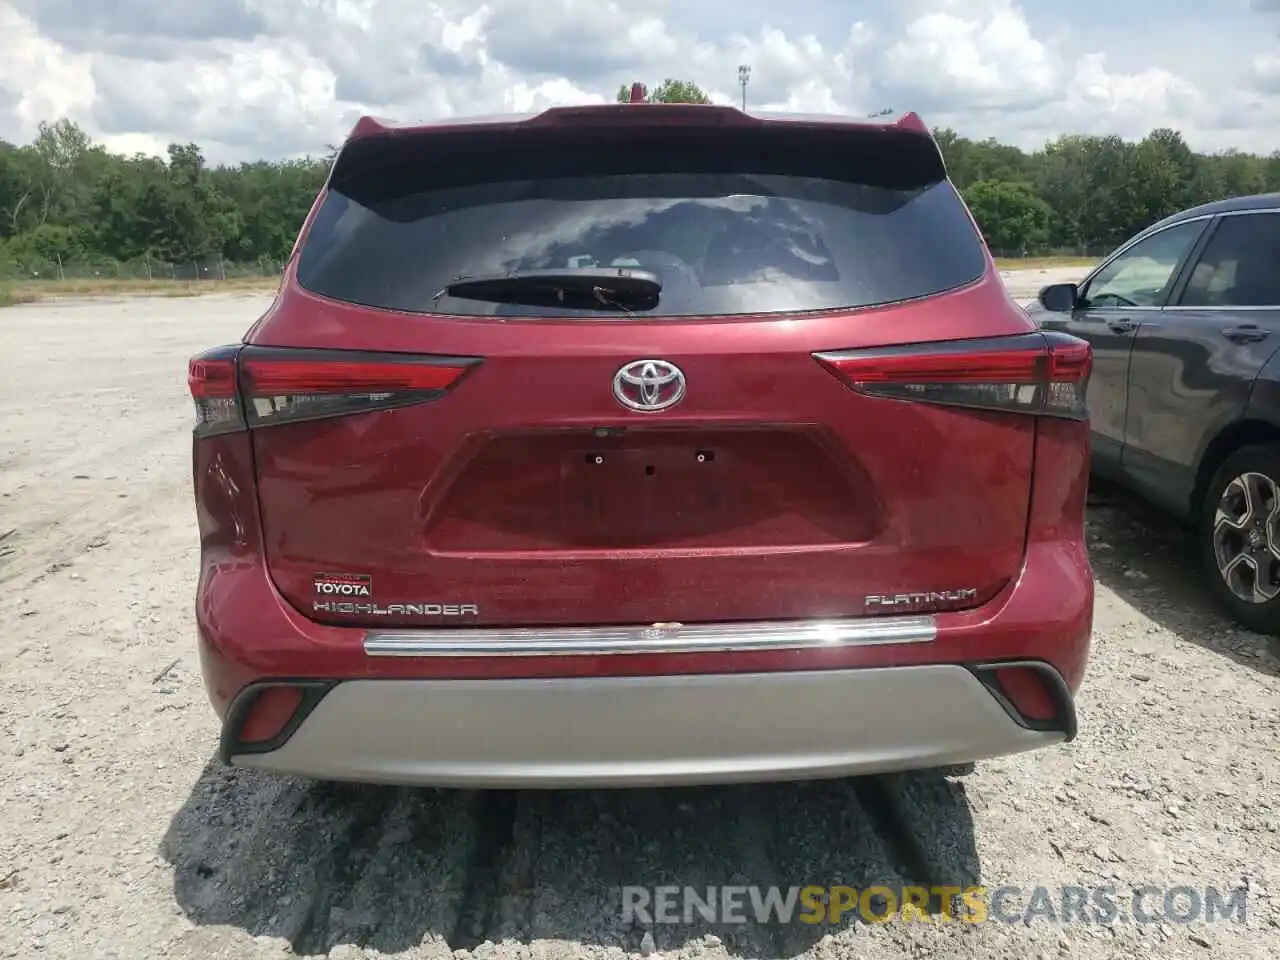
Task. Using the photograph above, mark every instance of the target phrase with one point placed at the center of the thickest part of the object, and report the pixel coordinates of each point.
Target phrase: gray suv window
(1240, 266)
(1138, 277)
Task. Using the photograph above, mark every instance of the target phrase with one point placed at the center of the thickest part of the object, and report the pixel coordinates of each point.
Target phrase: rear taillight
(211, 378)
(284, 386)
(234, 387)
(1040, 373)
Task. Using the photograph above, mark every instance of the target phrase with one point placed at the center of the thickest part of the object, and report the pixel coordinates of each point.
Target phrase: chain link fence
(1083, 252)
(90, 269)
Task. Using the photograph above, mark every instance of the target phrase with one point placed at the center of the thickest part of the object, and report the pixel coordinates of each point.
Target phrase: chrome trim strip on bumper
(652, 639)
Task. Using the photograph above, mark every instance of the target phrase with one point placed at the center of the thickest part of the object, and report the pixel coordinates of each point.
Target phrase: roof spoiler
(373, 141)
(618, 115)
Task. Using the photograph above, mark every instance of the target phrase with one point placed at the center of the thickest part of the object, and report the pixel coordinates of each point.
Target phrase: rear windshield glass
(721, 243)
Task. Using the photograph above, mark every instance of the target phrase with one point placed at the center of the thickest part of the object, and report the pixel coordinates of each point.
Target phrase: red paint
(483, 497)
(817, 495)
(248, 631)
(605, 115)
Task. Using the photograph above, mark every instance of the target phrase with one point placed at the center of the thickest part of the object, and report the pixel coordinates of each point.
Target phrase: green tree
(1012, 217)
(969, 161)
(15, 189)
(273, 199)
(1062, 179)
(64, 197)
(1165, 175)
(131, 209)
(669, 91)
(67, 163)
(46, 244)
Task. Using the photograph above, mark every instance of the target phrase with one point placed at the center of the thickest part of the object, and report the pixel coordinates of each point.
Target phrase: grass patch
(9, 296)
(1044, 263)
(35, 290)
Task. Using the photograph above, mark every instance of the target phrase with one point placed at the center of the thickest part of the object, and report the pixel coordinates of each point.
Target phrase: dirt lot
(122, 837)
(1025, 284)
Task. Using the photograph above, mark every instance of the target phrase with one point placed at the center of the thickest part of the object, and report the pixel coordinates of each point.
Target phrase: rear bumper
(646, 731)
(637, 705)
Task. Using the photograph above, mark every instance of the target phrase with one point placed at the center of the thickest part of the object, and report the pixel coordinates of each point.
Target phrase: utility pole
(744, 75)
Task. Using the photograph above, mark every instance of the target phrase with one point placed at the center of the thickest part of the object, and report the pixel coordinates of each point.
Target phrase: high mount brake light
(235, 387)
(1042, 373)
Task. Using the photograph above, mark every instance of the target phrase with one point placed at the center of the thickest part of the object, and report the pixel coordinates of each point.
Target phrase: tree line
(64, 198)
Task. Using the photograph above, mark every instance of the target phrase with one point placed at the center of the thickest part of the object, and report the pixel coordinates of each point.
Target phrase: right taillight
(1040, 373)
(244, 386)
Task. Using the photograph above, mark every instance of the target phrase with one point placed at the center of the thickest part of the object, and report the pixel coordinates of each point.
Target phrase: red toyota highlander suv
(640, 444)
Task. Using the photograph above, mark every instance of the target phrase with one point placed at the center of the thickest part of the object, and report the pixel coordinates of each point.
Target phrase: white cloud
(244, 95)
(986, 56)
(523, 98)
(42, 81)
(1266, 71)
(250, 78)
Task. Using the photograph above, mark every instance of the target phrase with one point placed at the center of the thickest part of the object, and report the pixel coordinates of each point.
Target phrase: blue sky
(255, 78)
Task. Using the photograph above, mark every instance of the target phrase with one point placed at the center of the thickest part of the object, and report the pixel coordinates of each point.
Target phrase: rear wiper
(581, 288)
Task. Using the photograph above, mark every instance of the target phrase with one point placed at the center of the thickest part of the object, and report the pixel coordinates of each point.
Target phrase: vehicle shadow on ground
(1149, 560)
(383, 868)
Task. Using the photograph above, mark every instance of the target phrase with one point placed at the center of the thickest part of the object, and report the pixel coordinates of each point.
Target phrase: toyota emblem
(649, 385)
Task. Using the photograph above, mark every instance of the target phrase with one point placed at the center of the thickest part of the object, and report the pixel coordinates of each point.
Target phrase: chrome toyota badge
(649, 385)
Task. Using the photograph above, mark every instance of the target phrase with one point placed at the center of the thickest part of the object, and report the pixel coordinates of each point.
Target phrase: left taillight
(238, 387)
(211, 379)
(1043, 373)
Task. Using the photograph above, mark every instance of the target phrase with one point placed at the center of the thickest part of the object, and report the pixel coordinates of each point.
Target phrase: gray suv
(1184, 402)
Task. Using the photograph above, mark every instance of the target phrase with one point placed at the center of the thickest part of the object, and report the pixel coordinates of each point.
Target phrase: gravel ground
(1025, 284)
(122, 837)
